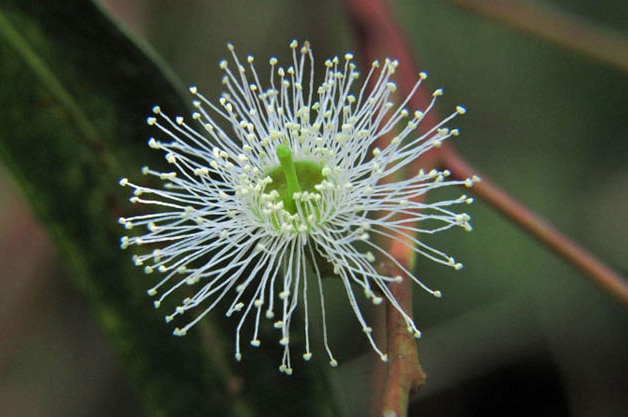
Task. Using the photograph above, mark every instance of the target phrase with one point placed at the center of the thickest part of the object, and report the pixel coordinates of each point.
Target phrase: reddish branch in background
(377, 35)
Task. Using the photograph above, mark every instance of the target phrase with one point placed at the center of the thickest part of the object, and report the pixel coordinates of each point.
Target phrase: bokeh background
(517, 333)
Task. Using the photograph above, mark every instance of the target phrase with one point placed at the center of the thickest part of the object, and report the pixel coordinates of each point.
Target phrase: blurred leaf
(72, 123)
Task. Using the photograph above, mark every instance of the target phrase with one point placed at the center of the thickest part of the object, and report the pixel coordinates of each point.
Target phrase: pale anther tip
(461, 109)
(179, 332)
(153, 144)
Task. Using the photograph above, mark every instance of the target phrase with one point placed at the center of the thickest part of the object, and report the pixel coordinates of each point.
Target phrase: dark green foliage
(74, 97)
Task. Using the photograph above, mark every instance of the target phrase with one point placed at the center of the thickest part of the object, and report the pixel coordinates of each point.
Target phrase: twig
(538, 228)
(550, 24)
(405, 376)
(376, 33)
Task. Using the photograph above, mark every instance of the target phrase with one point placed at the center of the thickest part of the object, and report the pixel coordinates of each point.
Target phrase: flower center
(292, 177)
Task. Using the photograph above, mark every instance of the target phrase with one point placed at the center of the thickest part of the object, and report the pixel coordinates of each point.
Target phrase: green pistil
(293, 177)
(290, 172)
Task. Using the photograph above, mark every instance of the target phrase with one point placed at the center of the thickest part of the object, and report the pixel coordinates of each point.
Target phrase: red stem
(554, 25)
(405, 375)
(537, 227)
(376, 33)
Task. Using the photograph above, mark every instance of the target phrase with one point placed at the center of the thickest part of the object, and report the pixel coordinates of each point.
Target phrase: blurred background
(517, 333)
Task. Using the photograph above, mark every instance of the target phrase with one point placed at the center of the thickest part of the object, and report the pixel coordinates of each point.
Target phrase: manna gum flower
(291, 193)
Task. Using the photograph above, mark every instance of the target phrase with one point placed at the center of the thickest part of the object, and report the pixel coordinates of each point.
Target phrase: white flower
(292, 189)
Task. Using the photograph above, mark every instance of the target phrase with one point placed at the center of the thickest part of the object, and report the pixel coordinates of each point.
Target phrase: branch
(376, 33)
(538, 228)
(405, 376)
(552, 25)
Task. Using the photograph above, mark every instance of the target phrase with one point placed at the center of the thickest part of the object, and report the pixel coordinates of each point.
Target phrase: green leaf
(72, 123)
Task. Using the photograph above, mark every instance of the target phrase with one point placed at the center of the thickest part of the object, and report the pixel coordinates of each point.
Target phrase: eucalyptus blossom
(299, 186)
